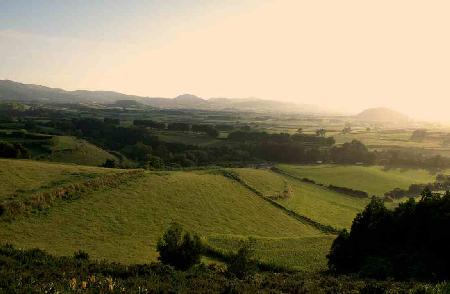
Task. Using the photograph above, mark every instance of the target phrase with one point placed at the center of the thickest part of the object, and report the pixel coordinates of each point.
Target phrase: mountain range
(14, 91)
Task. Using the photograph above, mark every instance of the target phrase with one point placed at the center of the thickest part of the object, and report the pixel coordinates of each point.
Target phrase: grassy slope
(319, 204)
(72, 150)
(374, 179)
(263, 180)
(26, 176)
(124, 224)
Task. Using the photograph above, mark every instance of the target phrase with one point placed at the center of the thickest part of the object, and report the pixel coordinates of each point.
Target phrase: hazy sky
(346, 55)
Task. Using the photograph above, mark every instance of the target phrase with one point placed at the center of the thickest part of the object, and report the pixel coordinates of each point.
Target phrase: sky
(345, 55)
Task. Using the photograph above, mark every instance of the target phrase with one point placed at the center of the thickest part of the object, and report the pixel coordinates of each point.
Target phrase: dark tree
(179, 248)
(109, 163)
(411, 241)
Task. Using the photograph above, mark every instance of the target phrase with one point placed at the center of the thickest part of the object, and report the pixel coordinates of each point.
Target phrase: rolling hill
(382, 114)
(119, 215)
(123, 222)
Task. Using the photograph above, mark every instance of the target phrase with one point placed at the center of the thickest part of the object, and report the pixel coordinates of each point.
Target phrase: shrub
(81, 255)
(109, 163)
(243, 264)
(179, 248)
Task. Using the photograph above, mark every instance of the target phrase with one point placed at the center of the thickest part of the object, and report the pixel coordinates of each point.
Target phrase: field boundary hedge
(304, 219)
(342, 190)
(42, 200)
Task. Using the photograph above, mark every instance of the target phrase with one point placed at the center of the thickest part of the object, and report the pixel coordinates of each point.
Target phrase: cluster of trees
(149, 124)
(411, 241)
(411, 158)
(182, 250)
(140, 144)
(282, 147)
(351, 153)
(178, 126)
(13, 150)
(442, 183)
(311, 140)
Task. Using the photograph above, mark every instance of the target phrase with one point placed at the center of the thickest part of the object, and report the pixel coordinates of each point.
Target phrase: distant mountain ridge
(382, 114)
(14, 91)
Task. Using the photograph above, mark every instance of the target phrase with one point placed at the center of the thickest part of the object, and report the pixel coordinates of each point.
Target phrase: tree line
(411, 241)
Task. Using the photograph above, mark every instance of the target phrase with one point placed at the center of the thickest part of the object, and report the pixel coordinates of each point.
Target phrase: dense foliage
(442, 183)
(411, 241)
(179, 248)
(14, 150)
(34, 271)
(352, 152)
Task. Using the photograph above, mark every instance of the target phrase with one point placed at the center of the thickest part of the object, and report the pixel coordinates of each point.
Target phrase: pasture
(123, 224)
(374, 180)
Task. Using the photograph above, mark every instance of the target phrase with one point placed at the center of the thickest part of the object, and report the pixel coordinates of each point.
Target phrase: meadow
(72, 150)
(318, 203)
(25, 176)
(66, 149)
(123, 224)
(375, 180)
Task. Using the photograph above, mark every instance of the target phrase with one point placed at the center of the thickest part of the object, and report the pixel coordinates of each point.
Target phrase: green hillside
(375, 180)
(124, 223)
(72, 150)
(25, 176)
(317, 203)
(65, 149)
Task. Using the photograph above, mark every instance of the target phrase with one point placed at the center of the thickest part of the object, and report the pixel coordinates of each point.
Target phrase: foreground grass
(124, 224)
(374, 180)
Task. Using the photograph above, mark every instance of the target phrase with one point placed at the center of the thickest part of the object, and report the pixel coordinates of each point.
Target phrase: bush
(179, 248)
(242, 264)
(109, 163)
(13, 150)
(81, 255)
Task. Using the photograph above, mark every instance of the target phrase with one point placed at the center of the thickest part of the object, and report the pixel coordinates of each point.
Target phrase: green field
(374, 180)
(318, 203)
(66, 149)
(72, 150)
(123, 224)
(26, 176)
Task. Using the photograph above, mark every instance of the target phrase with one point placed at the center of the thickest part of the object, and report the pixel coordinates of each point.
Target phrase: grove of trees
(411, 241)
